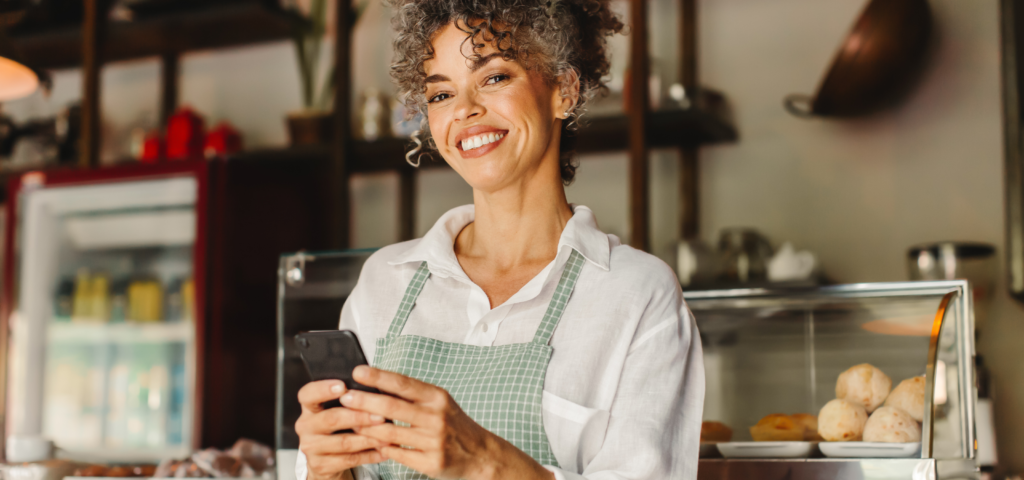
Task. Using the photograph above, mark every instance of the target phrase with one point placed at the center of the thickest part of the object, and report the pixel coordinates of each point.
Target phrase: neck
(520, 224)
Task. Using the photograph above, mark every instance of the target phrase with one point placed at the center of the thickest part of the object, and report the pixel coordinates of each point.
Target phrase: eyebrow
(474, 66)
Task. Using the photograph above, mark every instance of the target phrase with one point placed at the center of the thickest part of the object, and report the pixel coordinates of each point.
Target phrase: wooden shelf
(666, 128)
(171, 33)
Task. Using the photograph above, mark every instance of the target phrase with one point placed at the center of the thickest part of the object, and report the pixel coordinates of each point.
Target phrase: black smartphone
(332, 355)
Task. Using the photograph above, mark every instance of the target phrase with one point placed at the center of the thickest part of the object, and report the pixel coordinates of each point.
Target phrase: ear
(568, 94)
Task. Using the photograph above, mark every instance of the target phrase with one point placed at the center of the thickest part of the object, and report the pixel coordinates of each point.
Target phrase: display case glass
(312, 288)
(102, 348)
(781, 352)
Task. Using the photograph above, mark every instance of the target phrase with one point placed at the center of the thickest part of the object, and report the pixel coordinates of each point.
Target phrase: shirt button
(483, 327)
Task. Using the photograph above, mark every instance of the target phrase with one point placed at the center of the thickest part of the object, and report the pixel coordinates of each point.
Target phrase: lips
(479, 140)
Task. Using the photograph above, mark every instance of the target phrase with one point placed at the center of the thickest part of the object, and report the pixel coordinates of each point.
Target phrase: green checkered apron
(498, 387)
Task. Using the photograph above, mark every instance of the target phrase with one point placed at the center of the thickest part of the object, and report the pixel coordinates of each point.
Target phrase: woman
(517, 339)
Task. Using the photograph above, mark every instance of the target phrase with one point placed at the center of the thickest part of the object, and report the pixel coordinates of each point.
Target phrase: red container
(185, 135)
(152, 148)
(222, 140)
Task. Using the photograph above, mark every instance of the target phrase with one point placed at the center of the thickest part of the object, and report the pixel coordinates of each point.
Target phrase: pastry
(864, 384)
(777, 427)
(810, 424)
(909, 397)
(715, 432)
(892, 425)
(842, 421)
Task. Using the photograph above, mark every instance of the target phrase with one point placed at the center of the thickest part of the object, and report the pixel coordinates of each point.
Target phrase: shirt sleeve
(655, 417)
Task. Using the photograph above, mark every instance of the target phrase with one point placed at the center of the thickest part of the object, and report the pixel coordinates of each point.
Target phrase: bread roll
(891, 425)
(810, 425)
(777, 427)
(842, 421)
(909, 397)
(715, 432)
(864, 384)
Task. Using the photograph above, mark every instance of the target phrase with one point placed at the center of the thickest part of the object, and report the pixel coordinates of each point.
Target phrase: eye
(439, 97)
(493, 79)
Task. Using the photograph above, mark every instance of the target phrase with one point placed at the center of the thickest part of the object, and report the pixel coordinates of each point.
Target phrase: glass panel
(782, 352)
(949, 435)
(103, 356)
(313, 288)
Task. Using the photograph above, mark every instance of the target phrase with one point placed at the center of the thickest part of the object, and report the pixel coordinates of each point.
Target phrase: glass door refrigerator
(102, 304)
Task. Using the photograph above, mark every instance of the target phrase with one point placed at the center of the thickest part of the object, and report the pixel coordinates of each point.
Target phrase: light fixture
(16, 80)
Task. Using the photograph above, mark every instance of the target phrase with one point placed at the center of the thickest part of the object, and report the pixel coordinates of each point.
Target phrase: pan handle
(799, 105)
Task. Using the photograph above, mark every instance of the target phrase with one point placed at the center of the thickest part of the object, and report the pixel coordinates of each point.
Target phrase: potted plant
(313, 124)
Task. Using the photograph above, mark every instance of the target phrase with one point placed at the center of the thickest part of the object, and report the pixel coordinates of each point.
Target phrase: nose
(467, 106)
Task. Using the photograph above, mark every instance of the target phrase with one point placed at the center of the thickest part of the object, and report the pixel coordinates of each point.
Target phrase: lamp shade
(16, 80)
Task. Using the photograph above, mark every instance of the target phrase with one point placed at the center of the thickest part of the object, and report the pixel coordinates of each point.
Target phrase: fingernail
(376, 418)
(360, 370)
(346, 398)
(336, 389)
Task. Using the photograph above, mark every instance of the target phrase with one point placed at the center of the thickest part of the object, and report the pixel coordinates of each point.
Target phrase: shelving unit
(217, 26)
(124, 333)
(173, 33)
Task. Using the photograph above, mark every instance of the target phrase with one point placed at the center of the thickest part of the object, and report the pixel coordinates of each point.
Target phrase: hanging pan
(876, 64)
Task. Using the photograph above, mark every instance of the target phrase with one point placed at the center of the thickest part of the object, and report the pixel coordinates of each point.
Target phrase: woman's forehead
(452, 46)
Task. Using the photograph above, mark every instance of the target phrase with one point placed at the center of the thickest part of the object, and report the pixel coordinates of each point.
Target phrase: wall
(857, 193)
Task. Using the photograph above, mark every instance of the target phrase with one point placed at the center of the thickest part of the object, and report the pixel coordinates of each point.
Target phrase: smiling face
(494, 121)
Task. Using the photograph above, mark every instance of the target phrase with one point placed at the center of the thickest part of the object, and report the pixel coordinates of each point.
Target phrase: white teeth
(481, 140)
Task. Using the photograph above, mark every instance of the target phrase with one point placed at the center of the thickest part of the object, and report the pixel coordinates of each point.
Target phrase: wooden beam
(1012, 30)
(639, 201)
(689, 155)
(338, 175)
(406, 203)
(92, 41)
(169, 74)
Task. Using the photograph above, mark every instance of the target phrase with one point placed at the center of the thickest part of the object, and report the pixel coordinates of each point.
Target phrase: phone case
(332, 355)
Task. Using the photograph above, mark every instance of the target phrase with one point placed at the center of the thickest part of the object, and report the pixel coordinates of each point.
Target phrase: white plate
(766, 449)
(870, 449)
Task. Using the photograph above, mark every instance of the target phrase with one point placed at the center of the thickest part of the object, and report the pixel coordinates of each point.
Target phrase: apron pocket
(575, 432)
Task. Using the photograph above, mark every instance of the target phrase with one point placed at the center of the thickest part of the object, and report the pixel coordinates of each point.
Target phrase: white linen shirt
(624, 391)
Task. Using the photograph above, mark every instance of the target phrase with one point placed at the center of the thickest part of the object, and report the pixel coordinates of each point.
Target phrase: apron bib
(501, 388)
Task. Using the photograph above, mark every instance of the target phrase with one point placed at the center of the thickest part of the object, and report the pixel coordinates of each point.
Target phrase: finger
(312, 394)
(406, 387)
(414, 459)
(334, 419)
(329, 465)
(343, 444)
(390, 434)
(386, 406)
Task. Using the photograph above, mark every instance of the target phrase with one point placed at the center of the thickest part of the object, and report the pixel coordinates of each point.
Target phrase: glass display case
(312, 288)
(100, 304)
(782, 351)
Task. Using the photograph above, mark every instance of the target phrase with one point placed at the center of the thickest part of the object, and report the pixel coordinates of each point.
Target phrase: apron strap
(561, 297)
(412, 292)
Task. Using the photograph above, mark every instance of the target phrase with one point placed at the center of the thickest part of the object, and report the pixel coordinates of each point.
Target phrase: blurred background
(221, 114)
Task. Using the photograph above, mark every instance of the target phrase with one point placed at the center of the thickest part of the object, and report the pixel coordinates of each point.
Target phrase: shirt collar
(437, 246)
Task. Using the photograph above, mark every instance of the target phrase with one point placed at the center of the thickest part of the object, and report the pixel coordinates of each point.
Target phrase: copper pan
(876, 64)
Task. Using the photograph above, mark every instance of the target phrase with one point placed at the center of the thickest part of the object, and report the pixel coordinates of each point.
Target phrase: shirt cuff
(300, 466)
(562, 474)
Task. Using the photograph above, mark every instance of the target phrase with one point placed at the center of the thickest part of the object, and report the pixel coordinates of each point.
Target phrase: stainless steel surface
(817, 468)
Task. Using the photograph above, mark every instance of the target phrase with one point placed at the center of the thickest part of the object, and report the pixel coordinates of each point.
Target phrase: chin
(485, 176)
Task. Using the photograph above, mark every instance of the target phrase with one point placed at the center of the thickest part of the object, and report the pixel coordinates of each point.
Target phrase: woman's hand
(443, 441)
(328, 456)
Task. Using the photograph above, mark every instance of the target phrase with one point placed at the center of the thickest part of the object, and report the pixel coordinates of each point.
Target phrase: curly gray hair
(565, 40)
